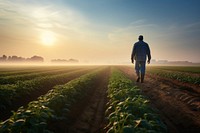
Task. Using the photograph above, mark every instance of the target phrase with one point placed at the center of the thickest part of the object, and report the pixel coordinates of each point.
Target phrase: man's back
(140, 51)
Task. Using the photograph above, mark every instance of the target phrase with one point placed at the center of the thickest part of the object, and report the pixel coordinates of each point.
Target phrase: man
(140, 52)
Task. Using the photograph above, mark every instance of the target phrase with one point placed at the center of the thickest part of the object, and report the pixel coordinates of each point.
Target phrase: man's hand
(148, 61)
(132, 61)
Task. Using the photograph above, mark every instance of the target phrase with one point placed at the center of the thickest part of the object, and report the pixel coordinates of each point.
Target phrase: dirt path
(179, 108)
(87, 116)
(23, 101)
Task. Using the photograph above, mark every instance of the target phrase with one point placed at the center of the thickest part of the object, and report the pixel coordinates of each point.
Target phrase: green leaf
(19, 122)
(128, 129)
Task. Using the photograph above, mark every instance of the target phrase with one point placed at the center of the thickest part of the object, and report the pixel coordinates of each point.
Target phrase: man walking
(140, 52)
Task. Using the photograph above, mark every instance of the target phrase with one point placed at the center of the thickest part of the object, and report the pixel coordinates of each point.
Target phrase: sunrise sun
(48, 38)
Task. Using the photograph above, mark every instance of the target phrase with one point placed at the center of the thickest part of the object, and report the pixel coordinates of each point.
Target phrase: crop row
(176, 76)
(188, 69)
(15, 78)
(55, 105)
(25, 70)
(9, 93)
(128, 110)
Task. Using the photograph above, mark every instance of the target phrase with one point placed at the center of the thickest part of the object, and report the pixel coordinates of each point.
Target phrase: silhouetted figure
(140, 52)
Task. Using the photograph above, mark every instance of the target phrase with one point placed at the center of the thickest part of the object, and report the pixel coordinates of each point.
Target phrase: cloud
(35, 17)
(178, 30)
(131, 32)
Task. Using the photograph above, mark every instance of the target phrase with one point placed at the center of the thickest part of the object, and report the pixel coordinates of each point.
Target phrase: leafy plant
(53, 106)
(9, 93)
(128, 111)
(176, 76)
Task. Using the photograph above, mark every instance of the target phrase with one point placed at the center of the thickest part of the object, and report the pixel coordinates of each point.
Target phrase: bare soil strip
(23, 101)
(191, 88)
(87, 116)
(179, 108)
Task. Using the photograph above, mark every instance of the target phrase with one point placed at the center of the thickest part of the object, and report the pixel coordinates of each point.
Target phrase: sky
(100, 31)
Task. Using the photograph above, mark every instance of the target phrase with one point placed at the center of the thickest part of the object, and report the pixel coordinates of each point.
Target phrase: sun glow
(48, 38)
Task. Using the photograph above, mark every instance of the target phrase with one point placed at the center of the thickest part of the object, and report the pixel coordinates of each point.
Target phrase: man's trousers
(140, 67)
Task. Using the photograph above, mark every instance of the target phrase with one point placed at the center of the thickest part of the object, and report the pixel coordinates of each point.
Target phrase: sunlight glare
(48, 38)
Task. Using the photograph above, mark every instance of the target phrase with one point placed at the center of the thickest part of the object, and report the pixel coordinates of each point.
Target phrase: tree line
(15, 58)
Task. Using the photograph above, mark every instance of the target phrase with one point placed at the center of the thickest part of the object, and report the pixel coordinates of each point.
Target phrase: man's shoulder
(145, 43)
(141, 42)
(136, 43)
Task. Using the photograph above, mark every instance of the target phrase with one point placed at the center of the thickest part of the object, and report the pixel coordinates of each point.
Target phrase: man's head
(140, 38)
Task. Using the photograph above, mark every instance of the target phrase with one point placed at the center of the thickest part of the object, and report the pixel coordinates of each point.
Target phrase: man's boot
(138, 79)
(142, 78)
(138, 76)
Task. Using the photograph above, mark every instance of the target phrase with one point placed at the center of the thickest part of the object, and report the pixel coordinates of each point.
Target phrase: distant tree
(64, 61)
(3, 58)
(59, 60)
(73, 61)
(9, 58)
(36, 59)
(15, 58)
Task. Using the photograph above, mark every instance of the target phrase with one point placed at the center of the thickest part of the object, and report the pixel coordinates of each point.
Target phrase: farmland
(99, 99)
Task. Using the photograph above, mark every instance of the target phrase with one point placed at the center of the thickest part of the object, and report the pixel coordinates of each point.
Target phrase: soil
(191, 88)
(87, 116)
(177, 103)
(23, 101)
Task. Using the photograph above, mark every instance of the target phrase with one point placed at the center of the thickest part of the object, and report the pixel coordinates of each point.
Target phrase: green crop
(176, 75)
(188, 69)
(128, 111)
(9, 93)
(13, 79)
(55, 105)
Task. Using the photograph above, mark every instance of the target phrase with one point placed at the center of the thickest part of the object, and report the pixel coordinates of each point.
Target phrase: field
(97, 99)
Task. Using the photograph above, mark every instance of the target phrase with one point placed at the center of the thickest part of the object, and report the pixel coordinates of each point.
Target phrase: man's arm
(148, 54)
(133, 54)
